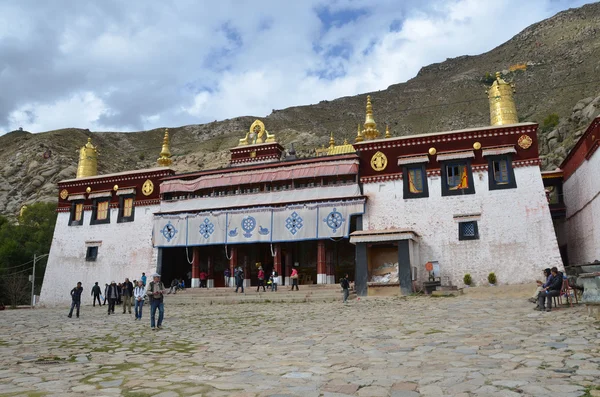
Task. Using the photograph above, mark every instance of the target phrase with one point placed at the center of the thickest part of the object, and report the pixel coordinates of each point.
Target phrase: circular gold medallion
(525, 141)
(116, 187)
(148, 187)
(379, 161)
(477, 146)
(432, 151)
(88, 189)
(64, 194)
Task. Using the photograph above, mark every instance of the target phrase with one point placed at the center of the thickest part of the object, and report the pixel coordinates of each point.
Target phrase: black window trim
(512, 182)
(121, 218)
(94, 220)
(88, 257)
(407, 192)
(462, 237)
(72, 221)
(445, 189)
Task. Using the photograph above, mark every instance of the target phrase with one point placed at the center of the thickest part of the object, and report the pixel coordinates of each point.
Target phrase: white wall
(126, 251)
(517, 239)
(581, 195)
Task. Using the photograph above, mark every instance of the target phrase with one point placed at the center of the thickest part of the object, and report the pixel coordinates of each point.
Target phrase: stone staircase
(227, 296)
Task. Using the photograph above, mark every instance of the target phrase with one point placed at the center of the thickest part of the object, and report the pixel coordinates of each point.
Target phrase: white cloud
(125, 67)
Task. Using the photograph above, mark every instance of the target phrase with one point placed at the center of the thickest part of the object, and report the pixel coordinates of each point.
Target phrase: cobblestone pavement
(400, 347)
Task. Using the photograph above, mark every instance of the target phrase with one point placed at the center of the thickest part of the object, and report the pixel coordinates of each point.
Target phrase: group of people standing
(126, 294)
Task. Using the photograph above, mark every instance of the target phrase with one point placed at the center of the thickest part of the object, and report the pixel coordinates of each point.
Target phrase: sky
(133, 65)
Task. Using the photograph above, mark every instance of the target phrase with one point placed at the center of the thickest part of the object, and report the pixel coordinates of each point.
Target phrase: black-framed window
(126, 209)
(76, 217)
(468, 230)
(91, 254)
(457, 178)
(501, 174)
(100, 211)
(415, 181)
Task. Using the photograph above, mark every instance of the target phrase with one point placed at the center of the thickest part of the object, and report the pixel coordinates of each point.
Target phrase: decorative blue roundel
(248, 225)
(334, 220)
(169, 231)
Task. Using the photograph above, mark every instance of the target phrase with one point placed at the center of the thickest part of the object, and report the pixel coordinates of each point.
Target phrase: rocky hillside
(554, 65)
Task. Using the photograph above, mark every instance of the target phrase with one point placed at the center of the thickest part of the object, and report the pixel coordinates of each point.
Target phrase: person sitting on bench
(552, 289)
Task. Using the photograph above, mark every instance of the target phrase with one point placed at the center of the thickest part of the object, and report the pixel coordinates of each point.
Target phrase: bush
(489, 78)
(550, 122)
(142, 156)
(467, 279)
(492, 278)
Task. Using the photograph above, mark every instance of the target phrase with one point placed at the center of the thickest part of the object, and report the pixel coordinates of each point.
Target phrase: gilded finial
(331, 141)
(370, 131)
(88, 160)
(165, 154)
(359, 137)
(387, 132)
(502, 105)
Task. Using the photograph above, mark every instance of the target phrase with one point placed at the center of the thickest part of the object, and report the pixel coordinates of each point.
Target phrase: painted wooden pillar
(277, 261)
(330, 267)
(210, 282)
(289, 265)
(232, 265)
(246, 271)
(196, 267)
(321, 263)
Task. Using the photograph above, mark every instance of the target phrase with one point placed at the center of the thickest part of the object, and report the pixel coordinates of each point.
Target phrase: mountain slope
(554, 65)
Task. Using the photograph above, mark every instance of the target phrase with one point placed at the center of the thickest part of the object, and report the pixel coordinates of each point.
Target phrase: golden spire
(387, 131)
(359, 137)
(502, 105)
(88, 160)
(370, 131)
(165, 154)
(331, 141)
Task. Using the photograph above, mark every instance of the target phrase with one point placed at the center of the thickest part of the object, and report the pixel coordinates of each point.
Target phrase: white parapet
(210, 283)
(321, 279)
(195, 283)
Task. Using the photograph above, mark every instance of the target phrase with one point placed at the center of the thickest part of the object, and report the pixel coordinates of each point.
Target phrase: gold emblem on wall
(148, 187)
(477, 146)
(88, 190)
(379, 161)
(64, 194)
(253, 153)
(525, 141)
(432, 151)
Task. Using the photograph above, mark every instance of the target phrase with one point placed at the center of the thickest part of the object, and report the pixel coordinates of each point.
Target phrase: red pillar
(210, 279)
(246, 270)
(196, 267)
(321, 263)
(233, 261)
(277, 259)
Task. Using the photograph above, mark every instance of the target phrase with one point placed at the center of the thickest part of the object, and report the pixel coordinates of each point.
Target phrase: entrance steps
(225, 296)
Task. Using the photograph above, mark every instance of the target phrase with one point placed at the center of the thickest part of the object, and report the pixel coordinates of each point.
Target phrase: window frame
(446, 191)
(88, 257)
(461, 235)
(72, 220)
(121, 217)
(405, 170)
(95, 220)
(512, 182)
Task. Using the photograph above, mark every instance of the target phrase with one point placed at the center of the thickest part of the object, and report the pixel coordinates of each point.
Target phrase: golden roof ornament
(387, 132)
(331, 141)
(165, 154)
(257, 134)
(88, 160)
(502, 105)
(370, 130)
(359, 137)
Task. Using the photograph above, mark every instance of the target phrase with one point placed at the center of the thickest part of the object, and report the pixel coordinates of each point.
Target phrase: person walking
(261, 279)
(105, 294)
(345, 283)
(143, 278)
(76, 299)
(274, 280)
(156, 291)
(138, 294)
(239, 279)
(96, 292)
(203, 276)
(227, 275)
(127, 293)
(112, 294)
(294, 278)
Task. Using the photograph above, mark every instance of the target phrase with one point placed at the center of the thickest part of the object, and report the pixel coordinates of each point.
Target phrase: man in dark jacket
(345, 284)
(76, 299)
(239, 279)
(127, 294)
(112, 294)
(553, 287)
(96, 294)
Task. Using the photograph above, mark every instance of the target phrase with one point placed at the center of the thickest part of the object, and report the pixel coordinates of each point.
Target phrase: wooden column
(321, 263)
(232, 265)
(277, 262)
(246, 271)
(210, 281)
(289, 265)
(196, 267)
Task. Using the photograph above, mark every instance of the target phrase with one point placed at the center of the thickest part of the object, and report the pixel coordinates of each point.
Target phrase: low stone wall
(591, 293)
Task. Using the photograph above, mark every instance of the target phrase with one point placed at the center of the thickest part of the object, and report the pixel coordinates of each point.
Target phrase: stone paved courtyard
(473, 345)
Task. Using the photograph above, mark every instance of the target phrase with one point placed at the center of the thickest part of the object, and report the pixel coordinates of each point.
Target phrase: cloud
(137, 65)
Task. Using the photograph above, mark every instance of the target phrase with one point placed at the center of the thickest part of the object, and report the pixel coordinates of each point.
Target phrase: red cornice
(583, 150)
(113, 178)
